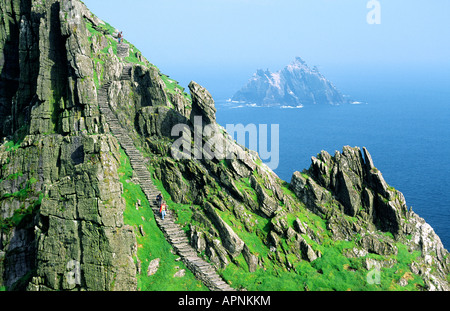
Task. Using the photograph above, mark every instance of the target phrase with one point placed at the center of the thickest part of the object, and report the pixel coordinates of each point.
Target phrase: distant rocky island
(296, 85)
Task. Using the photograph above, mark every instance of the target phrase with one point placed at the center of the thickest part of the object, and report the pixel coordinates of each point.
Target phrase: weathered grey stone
(279, 223)
(123, 50)
(198, 240)
(158, 121)
(306, 250)
(373, 244)
(180, 273)
(153, 266)
(299, 226)
(267, 205)
(251, 259)
(202, 104)
(231, 241)
(309, 192)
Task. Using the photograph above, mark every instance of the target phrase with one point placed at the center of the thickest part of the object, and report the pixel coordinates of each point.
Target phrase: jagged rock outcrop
(202, 104)
(73, 235)
(295, 85)
(350, 184)
(353, 185)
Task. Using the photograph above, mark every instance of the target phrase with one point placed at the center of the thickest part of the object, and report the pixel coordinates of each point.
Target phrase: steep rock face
(70, 212)
(295, 85)
(62, 223)
(350, 184)
(356, 185)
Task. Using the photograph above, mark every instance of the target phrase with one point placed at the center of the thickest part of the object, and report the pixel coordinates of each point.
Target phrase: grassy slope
(331, 271)
(107, 31)
(153, 245)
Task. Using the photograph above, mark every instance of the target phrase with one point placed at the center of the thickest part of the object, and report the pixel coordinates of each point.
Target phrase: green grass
(332, 271)
(12, 146)
(153, 245)
(132, 58)
(243, 185)
(171, 85)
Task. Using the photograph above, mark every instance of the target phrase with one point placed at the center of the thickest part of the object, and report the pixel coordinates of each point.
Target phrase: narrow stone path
(174, 234)
(123, 50)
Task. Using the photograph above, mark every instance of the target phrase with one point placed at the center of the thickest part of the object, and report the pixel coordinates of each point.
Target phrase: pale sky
(220, 43)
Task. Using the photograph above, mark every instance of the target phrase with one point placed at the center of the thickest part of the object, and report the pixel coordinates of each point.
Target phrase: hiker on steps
(163, 210)
(120, 37)
(159, 198)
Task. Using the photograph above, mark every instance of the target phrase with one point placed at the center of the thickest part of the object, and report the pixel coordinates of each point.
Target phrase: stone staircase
(123, 50)
(203, 270)
(126, 72)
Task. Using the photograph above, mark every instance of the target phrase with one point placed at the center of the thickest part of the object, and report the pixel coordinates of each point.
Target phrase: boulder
(180, 273)
(306, 250)
(230, 240)
(267, 204)
(252, 260)
(153, 266)
(299, 226)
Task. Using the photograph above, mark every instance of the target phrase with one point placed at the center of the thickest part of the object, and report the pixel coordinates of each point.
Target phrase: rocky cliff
(88, 135)
(295, 85)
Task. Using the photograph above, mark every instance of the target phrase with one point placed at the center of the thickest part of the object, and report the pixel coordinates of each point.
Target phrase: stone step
(145, 174)
(171, 228)
(179, 244)
(187, 253)
(150, 192)
(179, 237)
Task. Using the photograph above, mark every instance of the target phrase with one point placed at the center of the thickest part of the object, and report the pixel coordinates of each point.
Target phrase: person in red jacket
(163, 210)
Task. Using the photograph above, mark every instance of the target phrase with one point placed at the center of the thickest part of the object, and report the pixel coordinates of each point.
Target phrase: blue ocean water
(406, 130)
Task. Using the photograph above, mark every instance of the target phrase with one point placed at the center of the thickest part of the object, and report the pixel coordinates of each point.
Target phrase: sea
(404, 123)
